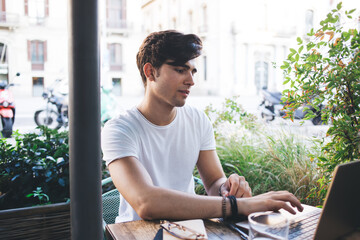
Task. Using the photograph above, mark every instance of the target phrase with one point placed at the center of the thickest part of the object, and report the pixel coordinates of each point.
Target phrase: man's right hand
(270, 201)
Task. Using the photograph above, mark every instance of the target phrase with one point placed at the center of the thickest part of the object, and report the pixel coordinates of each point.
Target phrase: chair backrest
(110, 201)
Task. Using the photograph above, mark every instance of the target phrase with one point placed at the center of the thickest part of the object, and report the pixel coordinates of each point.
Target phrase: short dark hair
(159, 47)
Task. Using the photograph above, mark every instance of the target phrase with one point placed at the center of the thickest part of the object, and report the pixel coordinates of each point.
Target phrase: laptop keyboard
(304, 226)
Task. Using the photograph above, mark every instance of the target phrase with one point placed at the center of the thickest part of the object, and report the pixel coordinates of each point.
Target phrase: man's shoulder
(124, 118)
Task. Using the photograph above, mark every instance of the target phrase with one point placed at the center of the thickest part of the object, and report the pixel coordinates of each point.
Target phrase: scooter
(7, 108)
(55, 114)
(272, 106)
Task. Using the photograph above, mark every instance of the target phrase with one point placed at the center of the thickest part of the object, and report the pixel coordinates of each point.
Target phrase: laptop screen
(341, 210)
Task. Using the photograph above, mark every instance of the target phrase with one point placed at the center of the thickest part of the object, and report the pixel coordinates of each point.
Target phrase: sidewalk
(26, 107)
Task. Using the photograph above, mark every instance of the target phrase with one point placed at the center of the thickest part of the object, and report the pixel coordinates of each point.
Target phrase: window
(116, 13)
(115, 54)
(261, 75)
(2, 11)
(191, 22)
(3, 63)
(205, 68)
(173, 20)
(37, 10)
(309, 19)
(37, 54)
(3, 50)
(117, 88)
(38, 86)
(203, 20)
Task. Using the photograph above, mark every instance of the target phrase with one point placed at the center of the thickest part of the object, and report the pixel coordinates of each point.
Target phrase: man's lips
(185, 92)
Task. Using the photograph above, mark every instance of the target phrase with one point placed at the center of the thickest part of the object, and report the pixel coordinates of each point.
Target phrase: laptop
(340, 215)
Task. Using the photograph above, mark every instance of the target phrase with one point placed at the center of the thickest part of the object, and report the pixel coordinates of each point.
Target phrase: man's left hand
(237, 186)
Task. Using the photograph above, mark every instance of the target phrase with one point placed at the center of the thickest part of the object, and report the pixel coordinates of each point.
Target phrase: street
(26, 107)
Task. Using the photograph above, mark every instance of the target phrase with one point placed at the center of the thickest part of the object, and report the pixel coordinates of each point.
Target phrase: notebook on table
(340, 215)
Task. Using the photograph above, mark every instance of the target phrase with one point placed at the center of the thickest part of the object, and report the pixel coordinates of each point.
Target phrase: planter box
(40, 222)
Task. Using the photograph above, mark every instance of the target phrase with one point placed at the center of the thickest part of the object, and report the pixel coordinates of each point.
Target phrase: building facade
(34, 42)
(243, 40)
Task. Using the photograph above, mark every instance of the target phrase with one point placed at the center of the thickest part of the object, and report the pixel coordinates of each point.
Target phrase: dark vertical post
(84, 109)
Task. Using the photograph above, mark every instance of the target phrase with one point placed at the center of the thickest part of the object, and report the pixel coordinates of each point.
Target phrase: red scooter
(7, 108)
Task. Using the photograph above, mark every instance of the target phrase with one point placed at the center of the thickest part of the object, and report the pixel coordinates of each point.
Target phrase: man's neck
(158, 113)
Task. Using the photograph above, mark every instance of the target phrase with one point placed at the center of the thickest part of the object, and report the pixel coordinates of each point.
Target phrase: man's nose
(190, 79)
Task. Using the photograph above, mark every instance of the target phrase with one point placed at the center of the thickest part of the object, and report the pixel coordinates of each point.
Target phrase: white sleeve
(207, 134)
(118, 141)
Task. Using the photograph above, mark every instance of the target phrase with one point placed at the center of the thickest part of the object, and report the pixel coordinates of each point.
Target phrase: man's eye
(180, 70)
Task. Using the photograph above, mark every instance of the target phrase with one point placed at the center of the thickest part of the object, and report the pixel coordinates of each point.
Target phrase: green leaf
(346, 36)
(292, 50)
(300, 49)
(297, 57)
(339, 6)
(286, 81)
(299, 40)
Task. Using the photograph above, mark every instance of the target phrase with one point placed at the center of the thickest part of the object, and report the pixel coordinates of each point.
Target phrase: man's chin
(180, 104)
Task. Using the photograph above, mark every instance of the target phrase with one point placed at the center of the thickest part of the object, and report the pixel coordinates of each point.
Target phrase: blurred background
(243, 41)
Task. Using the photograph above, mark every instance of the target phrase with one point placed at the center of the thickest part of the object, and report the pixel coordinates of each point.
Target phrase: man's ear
(149, 71)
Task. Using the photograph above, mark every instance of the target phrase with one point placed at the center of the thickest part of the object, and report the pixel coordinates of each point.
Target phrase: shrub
(324, 70)
(35, 170)
(269, 159)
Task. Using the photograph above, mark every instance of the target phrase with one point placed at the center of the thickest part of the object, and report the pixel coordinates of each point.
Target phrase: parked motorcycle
(272, 105)
(7, 108)
(55, 114)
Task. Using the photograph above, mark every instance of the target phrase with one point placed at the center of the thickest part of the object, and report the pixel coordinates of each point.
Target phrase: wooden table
(148, 229)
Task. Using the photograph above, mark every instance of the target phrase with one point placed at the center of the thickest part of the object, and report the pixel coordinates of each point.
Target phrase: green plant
(36, 160)
(272, 161)
(42, 197)
(325, 69)
(269, 159)
(230, 113)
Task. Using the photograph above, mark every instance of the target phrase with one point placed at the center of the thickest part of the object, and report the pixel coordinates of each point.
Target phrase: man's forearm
(170, 204)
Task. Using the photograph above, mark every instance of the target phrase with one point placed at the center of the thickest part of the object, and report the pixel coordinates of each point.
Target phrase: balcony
(38, 21)
(286, 31)
(116, 67)
(203, 30)
(9, 20)
(118, 26)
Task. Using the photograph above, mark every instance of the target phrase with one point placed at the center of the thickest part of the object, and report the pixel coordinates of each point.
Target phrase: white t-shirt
(168, 153)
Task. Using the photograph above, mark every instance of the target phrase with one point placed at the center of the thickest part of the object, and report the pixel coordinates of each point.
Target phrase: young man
(152, 149)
